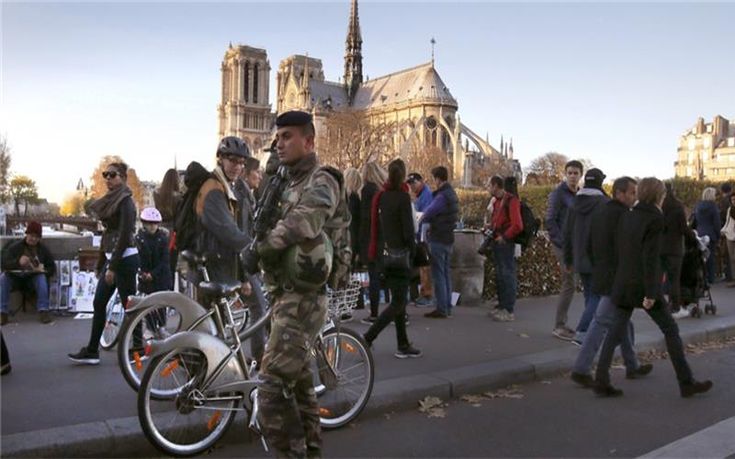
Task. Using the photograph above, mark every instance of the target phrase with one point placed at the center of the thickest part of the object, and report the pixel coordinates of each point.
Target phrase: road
(553, 418)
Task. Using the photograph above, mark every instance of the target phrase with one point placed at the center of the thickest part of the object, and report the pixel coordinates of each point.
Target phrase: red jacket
(507, 221)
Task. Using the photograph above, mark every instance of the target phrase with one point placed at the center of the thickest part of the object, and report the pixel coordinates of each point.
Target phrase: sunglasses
(109, 174)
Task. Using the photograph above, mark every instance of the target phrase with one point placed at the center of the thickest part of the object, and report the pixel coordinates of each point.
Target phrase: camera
(485, 248)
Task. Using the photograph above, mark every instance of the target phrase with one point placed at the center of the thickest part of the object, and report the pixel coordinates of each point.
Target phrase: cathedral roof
(417, 83)
(323, 91)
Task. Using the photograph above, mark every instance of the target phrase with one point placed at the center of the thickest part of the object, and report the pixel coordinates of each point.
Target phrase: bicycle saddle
(219, 289)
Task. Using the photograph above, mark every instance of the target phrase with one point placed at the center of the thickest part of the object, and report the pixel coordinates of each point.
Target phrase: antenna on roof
(433, 42)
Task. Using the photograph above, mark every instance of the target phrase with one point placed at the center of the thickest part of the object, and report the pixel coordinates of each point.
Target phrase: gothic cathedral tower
(244, 110)
(353, 54)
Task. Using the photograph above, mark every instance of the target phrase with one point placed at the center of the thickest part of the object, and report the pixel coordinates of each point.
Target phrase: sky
(616, 83)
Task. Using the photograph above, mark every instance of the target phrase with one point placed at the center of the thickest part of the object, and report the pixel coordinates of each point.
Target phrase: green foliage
(473, 203)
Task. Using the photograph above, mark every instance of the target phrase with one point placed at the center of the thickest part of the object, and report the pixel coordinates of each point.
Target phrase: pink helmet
(151, 215)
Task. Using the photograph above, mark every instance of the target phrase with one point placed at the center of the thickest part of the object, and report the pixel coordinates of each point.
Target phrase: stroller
(694, 285)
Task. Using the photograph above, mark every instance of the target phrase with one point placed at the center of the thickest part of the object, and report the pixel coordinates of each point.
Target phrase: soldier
(297, 257)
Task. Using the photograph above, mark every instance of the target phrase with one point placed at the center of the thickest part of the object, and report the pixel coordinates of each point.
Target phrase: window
(707, 141)
(731, 142)
(692, 142)
(255, 83)
(246, 80)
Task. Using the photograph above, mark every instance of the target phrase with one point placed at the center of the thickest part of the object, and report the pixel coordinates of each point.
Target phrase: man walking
(506, 225)
(559, 202)
(577, 230)
(441, 215)
(603, 255)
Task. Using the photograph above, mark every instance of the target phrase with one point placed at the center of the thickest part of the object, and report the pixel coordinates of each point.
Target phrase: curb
(123, 436)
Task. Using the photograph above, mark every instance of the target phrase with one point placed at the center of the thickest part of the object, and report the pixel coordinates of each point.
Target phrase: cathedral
(416, 101)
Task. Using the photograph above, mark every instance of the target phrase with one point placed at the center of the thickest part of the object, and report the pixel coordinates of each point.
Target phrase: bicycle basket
(343, 301)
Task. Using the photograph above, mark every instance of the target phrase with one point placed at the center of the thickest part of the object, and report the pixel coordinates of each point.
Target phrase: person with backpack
(441, 216)
(577, 236)
(506, 225)
(217, 210)
(119, 260)
(307, 249)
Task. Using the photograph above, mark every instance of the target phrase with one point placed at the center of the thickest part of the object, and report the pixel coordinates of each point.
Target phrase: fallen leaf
(523, 335)
(428, 403)
(545, 382)
(472, 398)
(437, 413)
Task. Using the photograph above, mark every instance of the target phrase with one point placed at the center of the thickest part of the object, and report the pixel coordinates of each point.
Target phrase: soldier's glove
(249, 258)
(268, 254)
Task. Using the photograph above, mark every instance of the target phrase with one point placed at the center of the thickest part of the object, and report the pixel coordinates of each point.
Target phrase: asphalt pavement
(53, 408)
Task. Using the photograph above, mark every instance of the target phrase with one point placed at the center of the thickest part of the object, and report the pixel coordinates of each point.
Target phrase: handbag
(729, 229)
(396, 258)
(422, 257)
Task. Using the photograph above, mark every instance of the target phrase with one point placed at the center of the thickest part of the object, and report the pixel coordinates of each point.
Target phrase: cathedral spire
(353, 54)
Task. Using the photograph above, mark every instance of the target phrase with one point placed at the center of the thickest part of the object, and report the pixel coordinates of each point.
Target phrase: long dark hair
(396, 174)
(167, 193)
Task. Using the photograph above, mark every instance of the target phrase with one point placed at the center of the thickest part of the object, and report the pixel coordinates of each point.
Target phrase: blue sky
(616, 83)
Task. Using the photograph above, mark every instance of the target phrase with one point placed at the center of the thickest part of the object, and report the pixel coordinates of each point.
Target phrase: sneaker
(86, 357)
(583, 380)
(607, 390)
(369, 320)
(695, 387)
(424, 302)
(408, 352)
(639, 372)
(44, 317)
(3, 318)
(494, 311)
(680, 314)
(435, 314)
(576, 342)
(504, 316)
(563, 333)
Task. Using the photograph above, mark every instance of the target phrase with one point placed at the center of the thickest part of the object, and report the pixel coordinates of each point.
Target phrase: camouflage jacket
(313, 202)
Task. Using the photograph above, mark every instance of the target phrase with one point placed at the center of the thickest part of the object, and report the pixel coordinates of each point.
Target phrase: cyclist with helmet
(152, 241)
(218, 213)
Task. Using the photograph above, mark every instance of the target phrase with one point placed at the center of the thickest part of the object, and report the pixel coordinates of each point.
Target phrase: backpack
(186, 219)
(337, 229)
(531, 225)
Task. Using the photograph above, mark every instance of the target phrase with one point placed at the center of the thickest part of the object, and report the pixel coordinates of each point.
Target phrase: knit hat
(594, 178)
(34, 228)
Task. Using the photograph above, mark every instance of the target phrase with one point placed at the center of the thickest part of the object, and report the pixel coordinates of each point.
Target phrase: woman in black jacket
(676, 231)
(374, 177)
(638, 284)
(353, 186)
(119, 260)
(393, 231)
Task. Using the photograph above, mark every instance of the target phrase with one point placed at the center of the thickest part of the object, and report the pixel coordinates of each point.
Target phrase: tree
(5, 161)
(98, 187)
(349, 139)
(489, 166)
(427, 158)
(73, 205)
(24, 190)
(548, 168)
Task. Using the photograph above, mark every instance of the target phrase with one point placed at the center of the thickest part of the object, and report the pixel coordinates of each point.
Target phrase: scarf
(108, 204)
(374, 210)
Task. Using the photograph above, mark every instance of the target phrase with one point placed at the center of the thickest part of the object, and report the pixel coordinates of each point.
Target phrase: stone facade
(245, 110)
(707, 151)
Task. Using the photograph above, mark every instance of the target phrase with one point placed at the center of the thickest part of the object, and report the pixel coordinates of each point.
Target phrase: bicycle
(209, 380)
(162, 314)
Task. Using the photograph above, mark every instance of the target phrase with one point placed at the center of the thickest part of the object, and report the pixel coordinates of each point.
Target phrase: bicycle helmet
(150, 215)
(232, 145)
(307, 265)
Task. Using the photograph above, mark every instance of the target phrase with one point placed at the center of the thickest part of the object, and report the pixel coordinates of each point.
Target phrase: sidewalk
(52, 408)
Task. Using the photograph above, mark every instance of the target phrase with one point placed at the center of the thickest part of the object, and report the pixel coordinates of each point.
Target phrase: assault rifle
(265, 217)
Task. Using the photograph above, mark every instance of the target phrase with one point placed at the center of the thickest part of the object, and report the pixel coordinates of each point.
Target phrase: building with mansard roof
(707, 151)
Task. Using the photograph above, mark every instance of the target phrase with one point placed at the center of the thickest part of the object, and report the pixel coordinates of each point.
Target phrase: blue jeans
(441, 275)
(590, 303)
(598, 329)
(710, 263)
(8, 282)
(505, 275)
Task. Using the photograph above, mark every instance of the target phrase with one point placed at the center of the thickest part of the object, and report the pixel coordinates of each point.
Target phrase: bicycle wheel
(190, 422)
(157, 322)
(115, 314)
(352, 361)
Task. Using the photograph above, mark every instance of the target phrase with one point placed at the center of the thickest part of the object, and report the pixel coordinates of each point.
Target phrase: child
(152, 241)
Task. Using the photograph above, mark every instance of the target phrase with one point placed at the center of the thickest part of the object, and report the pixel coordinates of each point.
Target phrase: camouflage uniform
(290, 413)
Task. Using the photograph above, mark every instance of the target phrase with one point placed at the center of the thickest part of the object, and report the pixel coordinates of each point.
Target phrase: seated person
(27, 264)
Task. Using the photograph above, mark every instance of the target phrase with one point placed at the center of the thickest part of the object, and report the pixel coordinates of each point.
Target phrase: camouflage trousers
(288, 405)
